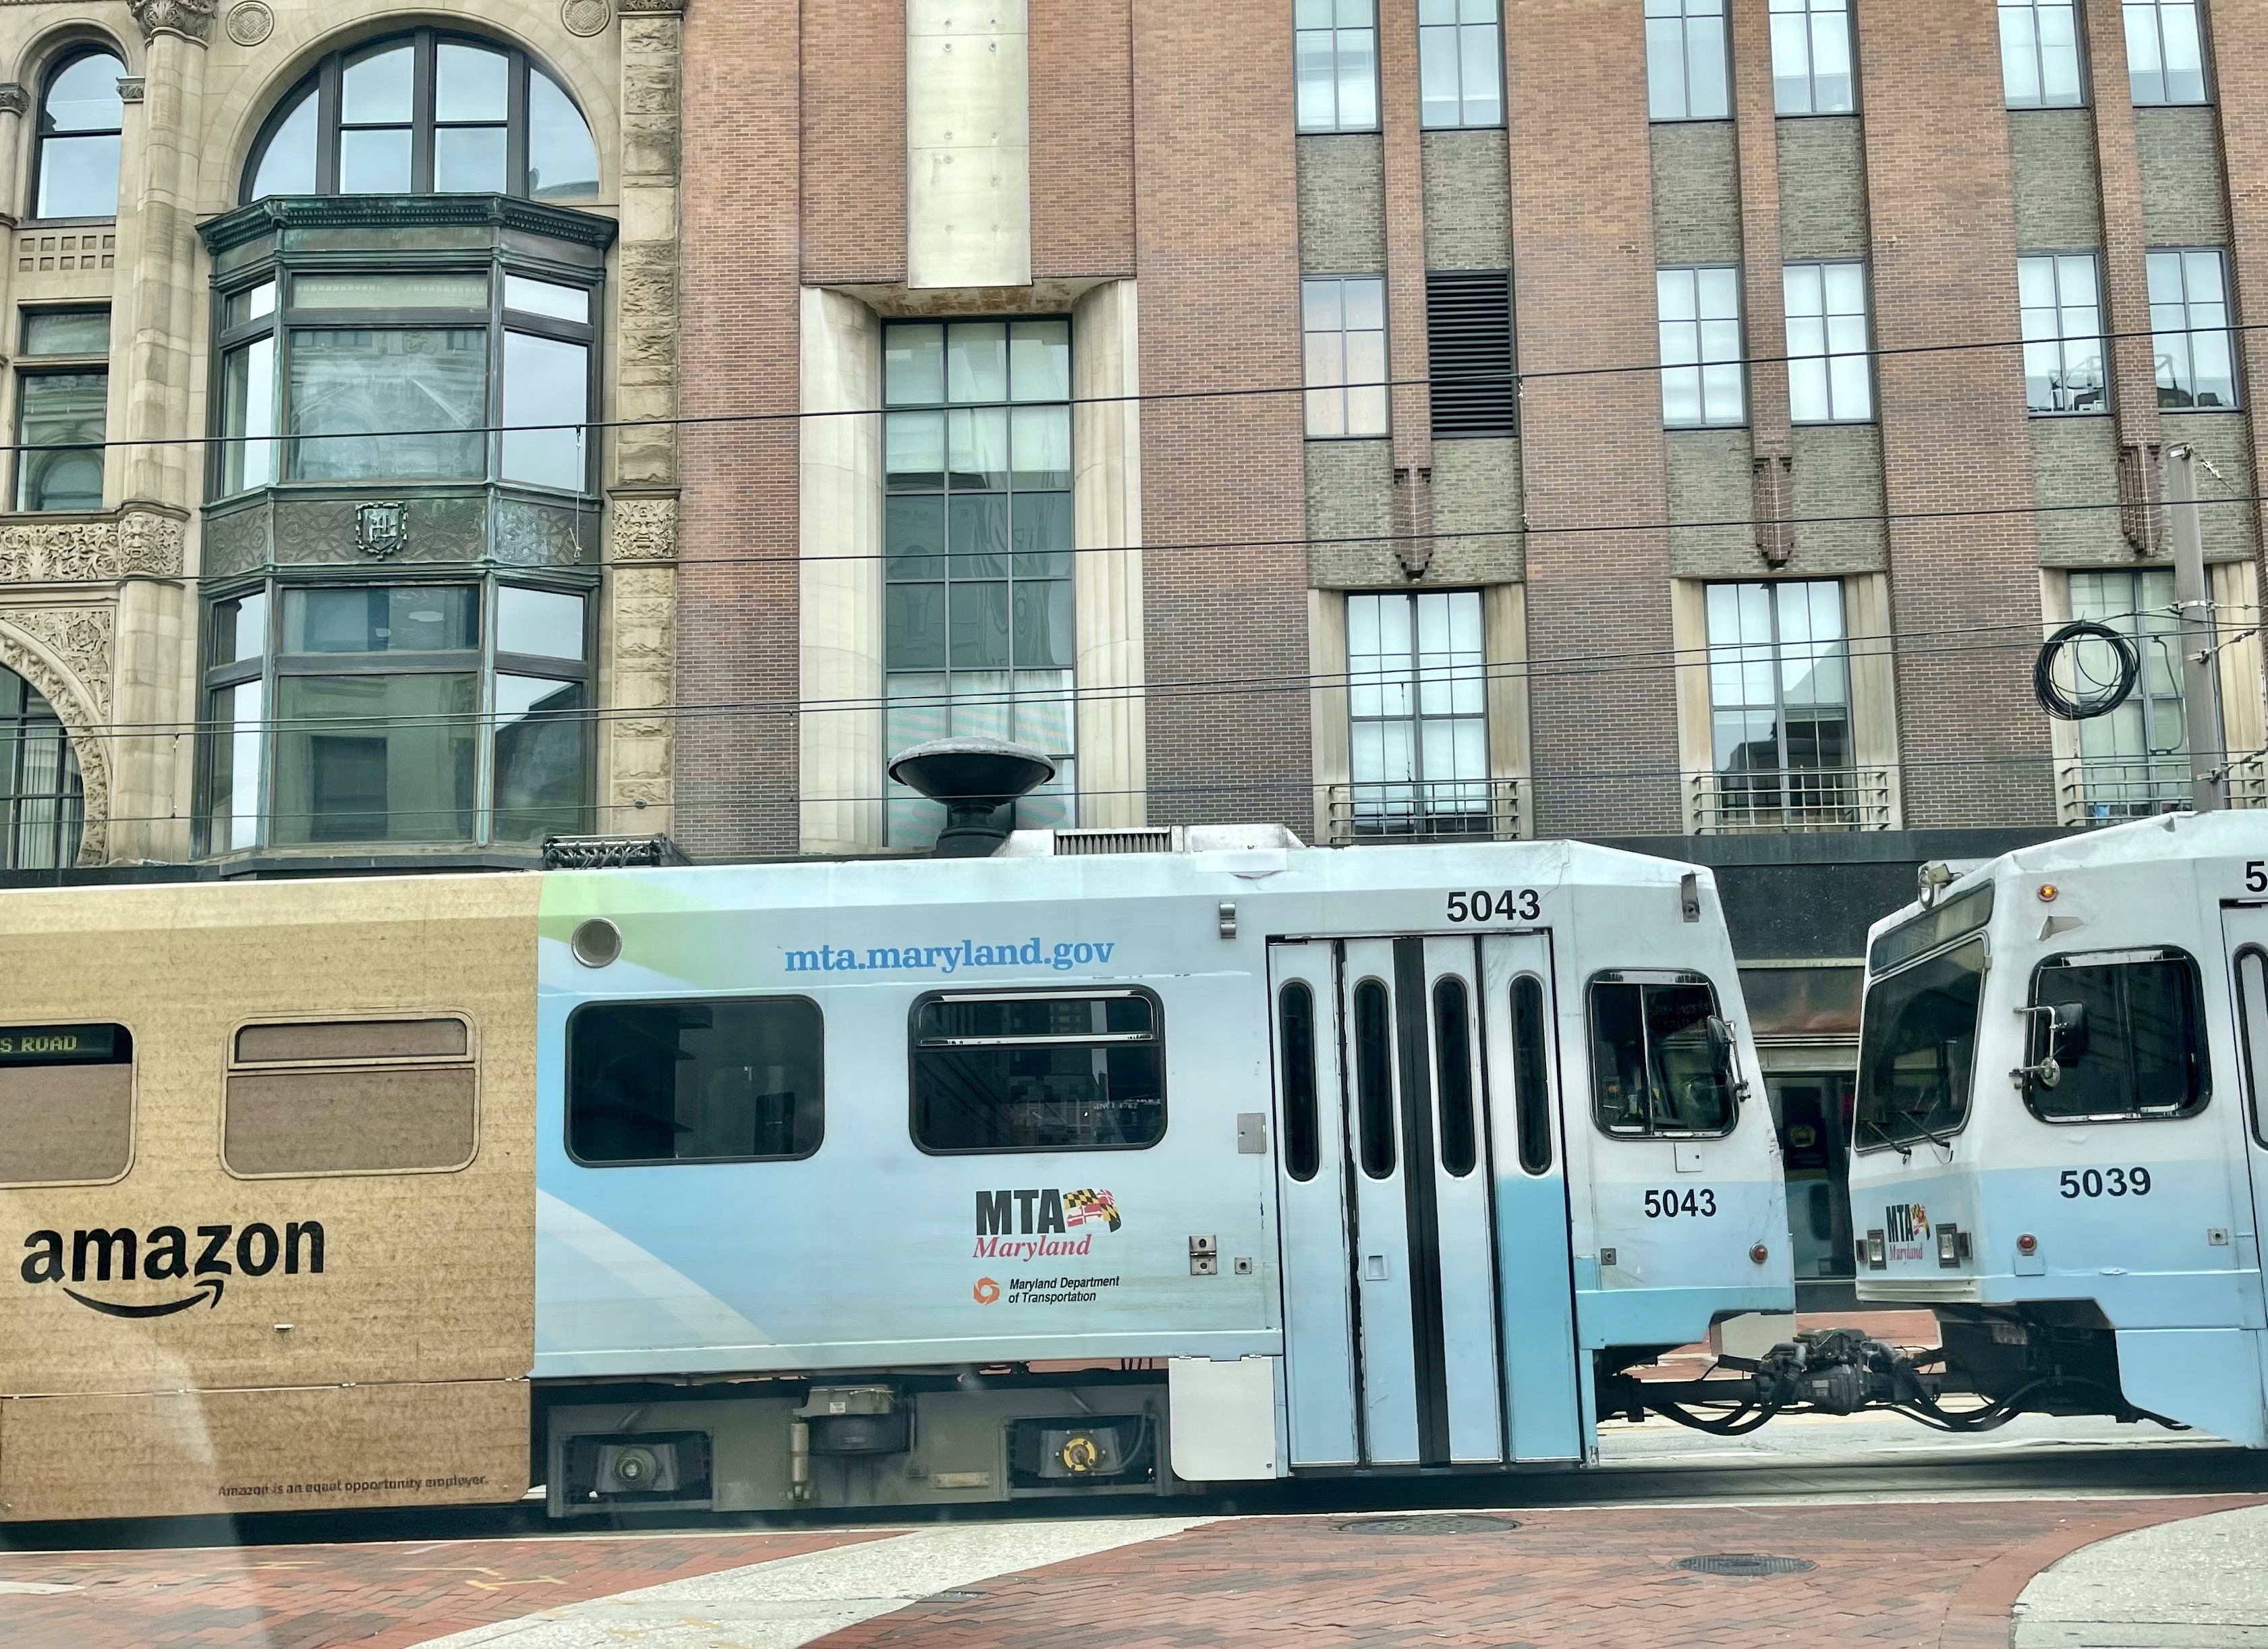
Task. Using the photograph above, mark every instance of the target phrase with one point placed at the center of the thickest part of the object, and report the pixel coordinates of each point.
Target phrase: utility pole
(2200, 694)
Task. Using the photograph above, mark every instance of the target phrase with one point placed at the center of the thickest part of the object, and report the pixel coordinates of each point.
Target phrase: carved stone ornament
(584, 18)
(84, 652)
(61, 552)
(651, 8)
(249, 23)
(381, 529)
(131, 89)
(646, 529)
(151, 543)
(192, 19)
(14, 99)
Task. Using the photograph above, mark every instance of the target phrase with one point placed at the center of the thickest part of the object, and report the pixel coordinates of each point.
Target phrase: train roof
(2173, 837)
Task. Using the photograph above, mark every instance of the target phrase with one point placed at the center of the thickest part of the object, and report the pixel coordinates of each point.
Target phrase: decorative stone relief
(14, 99)
(249, 23)
(642, 652)
(131, 89)
(79, 638)
(193, 19)
(75, 706)
(586, 17)
(151, 543)
(538, 535)
(35, 552)
(651, 8)
(646, 529)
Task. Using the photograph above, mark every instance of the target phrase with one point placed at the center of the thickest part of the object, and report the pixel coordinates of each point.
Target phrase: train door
(2246, 931)
(1392, 1063)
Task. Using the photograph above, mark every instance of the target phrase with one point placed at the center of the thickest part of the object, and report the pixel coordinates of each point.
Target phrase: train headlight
(1878, 1253)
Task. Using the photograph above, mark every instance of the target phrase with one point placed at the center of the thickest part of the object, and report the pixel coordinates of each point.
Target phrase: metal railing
(1789, 800)
(2104, 790)
(1447, 810)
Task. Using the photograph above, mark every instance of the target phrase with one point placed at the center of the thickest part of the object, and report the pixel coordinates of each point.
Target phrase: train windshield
(1918, 1049)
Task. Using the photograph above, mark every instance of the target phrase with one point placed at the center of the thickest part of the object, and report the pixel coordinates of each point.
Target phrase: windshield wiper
(1922, 1127)
(1883, 1134)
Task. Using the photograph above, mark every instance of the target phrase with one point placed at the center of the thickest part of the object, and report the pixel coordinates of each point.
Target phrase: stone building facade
(277, 584)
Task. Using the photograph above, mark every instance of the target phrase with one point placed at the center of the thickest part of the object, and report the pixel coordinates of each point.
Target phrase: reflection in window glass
(546, 381)
(563, 162)
(42, 800)
(1295, 1023)
(248, 415)
(1459, 63)
(1652, 1064)
(2061, 309)
(375, 758)
(1531, 1073)
(1918, 1049)
(546, 623)
(722, 1080)
(62, 413)
(546, 297)
(2165, 52)
(2142, 1053)
(80, 118)
(1704, 380)
(390, 291)
(1780, 707)
(238, 629)
(67, 332)
(1811, 57)
(402, 618)
(1830, 373)
(1374, 1078)
(2134, 761)
(233, 811)
(2189, 319)
(540, 758)
(1453, 1055)
(415, 387)
(1336, 50)
(2039, 53)
(1037, 1073)
(287, 166)
(1417, 715)
(1343, 330)
(2252, 1027)
(1686, 74)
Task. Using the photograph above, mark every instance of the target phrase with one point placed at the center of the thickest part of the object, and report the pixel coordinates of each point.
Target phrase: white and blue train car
(1074, 1170)
(2061, 1144)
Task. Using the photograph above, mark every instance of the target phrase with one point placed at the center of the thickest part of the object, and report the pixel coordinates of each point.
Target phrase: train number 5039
(1513, 904)
(2106, 1182)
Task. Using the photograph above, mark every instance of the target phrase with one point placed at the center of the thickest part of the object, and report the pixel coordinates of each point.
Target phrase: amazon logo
(168, 1253)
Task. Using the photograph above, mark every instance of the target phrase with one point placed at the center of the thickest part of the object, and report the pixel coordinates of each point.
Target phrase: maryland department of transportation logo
(1905, 1228)
(196, 1270)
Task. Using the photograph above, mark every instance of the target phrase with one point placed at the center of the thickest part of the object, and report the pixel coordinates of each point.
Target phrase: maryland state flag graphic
(1086, 1207)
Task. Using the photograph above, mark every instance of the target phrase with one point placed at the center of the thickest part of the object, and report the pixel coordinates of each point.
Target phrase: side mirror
(1720, 1046)
(2067, 1034)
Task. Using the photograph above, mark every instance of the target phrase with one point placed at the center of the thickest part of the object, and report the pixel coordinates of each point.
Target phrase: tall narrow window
(1468, 337)
(1703, 382)
(62, 386)
(2189, 321)
(1459, 63)
(2039, 55)
(41, 803)
(1452, 1059)
(2165, 51)
(2135, 760)
(977, 582)
(1686, 72)
(80, 117)
(1295, 1024)
(1779, 706)
(2062, 319)
(1531, 1074)
(1374, 1078)
(1417, 694)
(1343, 322)
(1336, 42)
(1830, 373)
(1811, 57)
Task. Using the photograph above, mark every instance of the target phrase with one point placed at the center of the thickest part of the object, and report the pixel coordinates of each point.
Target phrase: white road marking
(793, 1600)
(32, 1588)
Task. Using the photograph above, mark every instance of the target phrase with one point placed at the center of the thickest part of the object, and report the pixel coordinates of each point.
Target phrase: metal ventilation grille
(1157, 839)
(1468, 339)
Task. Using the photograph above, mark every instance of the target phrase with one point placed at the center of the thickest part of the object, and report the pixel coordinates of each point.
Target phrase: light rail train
(2061, 1138)
(1074, 1170)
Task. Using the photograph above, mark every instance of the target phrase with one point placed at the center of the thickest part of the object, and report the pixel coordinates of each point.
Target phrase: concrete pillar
(969, 168)
(1107, 589)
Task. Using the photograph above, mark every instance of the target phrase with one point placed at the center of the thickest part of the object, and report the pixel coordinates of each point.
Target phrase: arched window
(41, 806)
(80, 115)
(426, 114)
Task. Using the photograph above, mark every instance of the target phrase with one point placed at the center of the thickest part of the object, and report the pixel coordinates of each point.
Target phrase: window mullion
(420, 114)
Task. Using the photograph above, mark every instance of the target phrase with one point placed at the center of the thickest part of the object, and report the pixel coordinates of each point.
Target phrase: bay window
(374, 713)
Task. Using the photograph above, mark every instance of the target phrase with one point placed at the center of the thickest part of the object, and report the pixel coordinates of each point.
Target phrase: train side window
(66, 1104)
(722, 1079)
(1453, 1050)
(1013, 1071)
(351, 1096)
(1655, 1068)
(1295, 1018)
(2252, 1029)
(1531, 1074)
(2128, 1042)
(1374, 1078)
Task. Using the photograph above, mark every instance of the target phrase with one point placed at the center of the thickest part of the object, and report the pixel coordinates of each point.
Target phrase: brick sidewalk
(383, 1595)
(1939, 1576)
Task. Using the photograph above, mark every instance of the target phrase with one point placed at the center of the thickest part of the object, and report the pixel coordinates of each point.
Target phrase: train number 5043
(1513, 904)
(1670, 1205)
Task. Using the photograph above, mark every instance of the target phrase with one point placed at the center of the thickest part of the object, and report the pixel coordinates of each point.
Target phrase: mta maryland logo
(1086, 1207)
(1035, 1223)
